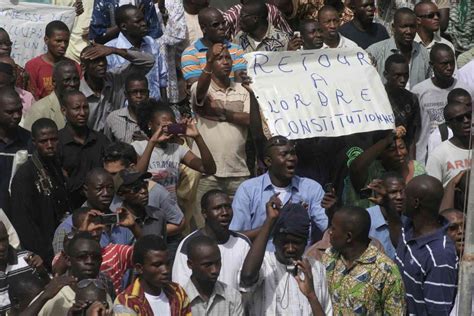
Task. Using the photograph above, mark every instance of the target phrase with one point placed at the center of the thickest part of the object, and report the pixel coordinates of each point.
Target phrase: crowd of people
(138, 175)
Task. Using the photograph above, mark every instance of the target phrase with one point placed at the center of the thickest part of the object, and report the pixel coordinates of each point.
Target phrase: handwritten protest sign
(26, 22)
(317, 93)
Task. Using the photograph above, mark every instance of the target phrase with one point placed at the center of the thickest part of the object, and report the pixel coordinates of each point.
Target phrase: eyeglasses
(86, 282)
(429, 15)
(460, 118)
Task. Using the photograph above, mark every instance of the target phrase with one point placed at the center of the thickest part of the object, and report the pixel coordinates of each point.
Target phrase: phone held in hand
(110, 219)
(176, 129)
(328, 187)
(365, 193)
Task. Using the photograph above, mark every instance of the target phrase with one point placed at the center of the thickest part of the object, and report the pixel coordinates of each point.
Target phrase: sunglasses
(429, 15)
(460, 118)
(137, 187)
(86, 282)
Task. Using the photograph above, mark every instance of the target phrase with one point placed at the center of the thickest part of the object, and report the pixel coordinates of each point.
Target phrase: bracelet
(207, 72)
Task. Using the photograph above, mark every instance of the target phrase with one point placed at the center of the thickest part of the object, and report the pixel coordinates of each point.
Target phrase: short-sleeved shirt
(233, 253)
(371, 286)
(419, 62)
(231, 161)
(253, 194)
(77, 159)
(273, 41)
(193, 59)
(447, 160)
(376, 33)
(41, 76)
(429, 267)
(276, 291)
(120, 126)
(164, 163)
(379, 230)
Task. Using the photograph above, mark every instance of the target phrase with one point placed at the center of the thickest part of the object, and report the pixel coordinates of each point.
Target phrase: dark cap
(128, 177)
(294, 220)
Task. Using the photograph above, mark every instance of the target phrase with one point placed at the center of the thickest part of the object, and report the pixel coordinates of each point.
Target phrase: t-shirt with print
(160, 304)
(446, 161)
(164, 163)
(432, 101)
(41, 76)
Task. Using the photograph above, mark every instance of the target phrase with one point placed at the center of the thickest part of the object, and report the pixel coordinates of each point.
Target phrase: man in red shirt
(40, 68)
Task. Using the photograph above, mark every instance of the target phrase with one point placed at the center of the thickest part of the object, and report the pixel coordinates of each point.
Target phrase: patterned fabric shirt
(274, 41)
(103, 17)
(116, 260)
(193, 59)
(372, 286)
(461, 24)
(275, 18)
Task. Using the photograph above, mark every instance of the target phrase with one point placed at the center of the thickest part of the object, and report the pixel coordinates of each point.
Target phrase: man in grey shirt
(104, 88)
(402, 42)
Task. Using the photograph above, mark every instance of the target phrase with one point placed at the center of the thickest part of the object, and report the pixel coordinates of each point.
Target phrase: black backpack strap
(443, 130)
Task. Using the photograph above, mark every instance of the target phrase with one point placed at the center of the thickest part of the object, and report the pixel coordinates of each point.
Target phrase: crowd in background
(138, 175)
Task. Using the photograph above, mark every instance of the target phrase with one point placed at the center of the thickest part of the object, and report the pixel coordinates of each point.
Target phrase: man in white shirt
(443, 132)
(466, 74)
(217, 211)
(282, 282)
(432, 95)
(427, 22)
(453, 155)
(329, 21)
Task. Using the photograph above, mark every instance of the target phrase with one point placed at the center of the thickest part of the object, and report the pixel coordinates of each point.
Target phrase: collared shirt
(157, 76)
(47, 107)
(344, 42)
(193, 59)
(230, 161)
(77, 159)
(154, 222)
(429, 267)
(116, 235)
(252, 195)
(224, 300)
(371, 286)
(233, 253)
(273, 41)
(276, 291)
(120, 126)
(112, 96)
(436, 39)
(103, 17)
(379, 230)
(419, 62)
(20, 141)
(275, 18)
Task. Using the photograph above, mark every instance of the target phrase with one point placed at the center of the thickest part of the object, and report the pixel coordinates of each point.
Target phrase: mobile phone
(292, 269)
(176, 129)
(365, 193)
(297, 33)
(110, 219)
(328, 187)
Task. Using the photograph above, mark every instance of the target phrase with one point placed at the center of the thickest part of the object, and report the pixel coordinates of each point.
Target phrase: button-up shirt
(224, 300)
(379, 230)
(77, 159)
(103, 17)
(120, 126)
(419, 62)
(252, 195)
(157, 76)
(20, 141)
(429, 267)
(436, 39)
(112, 96)
(273, 41)
(371, 286)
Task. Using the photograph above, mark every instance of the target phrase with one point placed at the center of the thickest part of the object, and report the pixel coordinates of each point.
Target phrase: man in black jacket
(39, 199)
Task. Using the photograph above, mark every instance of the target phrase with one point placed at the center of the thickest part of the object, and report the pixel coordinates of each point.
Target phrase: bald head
(212, 24)
(8, 93)
(355, 220)
(200, 245)
(206, 14)
(424, 193)
(95, 174)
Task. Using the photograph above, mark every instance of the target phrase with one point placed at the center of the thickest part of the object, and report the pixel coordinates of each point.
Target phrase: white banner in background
(26, 23)
(319, 93)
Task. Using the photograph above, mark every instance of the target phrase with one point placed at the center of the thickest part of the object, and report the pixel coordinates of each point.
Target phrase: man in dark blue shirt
(103, 27)
(362, 29)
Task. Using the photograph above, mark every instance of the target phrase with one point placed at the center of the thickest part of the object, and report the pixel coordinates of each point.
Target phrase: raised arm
(254, 259)
(206, 163)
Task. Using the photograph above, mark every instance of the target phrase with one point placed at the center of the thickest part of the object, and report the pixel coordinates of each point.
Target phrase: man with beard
(104, 88)
(39, 198)
(217, 212)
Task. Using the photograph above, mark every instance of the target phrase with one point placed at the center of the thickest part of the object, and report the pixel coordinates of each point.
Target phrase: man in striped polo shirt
(426, 256)
(193, 59)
